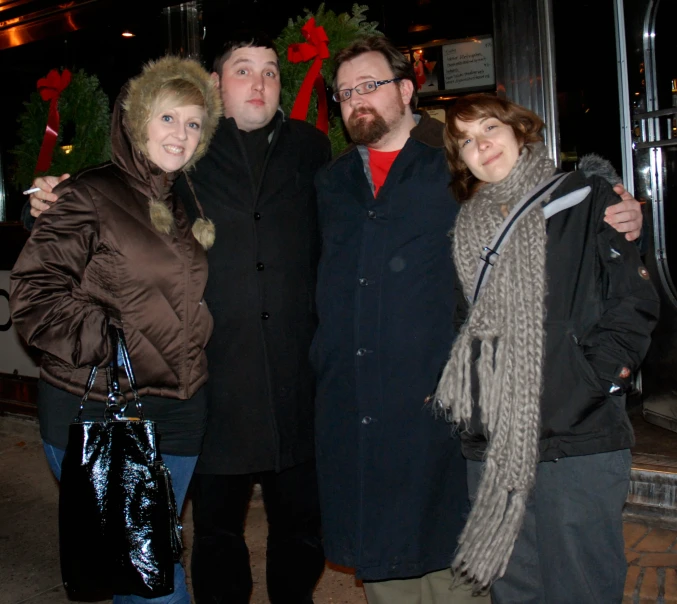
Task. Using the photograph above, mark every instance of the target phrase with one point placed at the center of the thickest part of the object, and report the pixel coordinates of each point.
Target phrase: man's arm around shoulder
(40, 200)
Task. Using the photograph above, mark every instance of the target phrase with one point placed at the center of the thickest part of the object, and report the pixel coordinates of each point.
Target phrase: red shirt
(379, 163)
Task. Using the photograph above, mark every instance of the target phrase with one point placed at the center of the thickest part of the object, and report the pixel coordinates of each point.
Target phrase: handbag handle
(116, 403)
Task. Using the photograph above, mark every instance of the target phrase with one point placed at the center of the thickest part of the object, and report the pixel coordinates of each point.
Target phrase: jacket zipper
(187, 261)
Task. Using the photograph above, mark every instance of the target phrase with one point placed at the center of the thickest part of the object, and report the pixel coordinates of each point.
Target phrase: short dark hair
(399, 64)
(244, 38)
(525, 124)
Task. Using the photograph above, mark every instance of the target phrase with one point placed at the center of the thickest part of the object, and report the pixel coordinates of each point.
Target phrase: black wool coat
(392, 478)
(261, 285)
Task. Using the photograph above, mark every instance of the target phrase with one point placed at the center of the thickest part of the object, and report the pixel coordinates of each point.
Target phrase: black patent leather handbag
(119, 531)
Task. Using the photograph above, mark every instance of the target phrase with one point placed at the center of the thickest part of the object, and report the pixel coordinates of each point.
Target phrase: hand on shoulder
(42, 199)
(626, 215)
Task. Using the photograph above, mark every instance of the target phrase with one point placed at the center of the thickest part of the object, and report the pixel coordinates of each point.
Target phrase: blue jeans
(181, 469)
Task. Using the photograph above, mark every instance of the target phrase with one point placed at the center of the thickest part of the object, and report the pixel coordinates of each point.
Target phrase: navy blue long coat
(392, 478)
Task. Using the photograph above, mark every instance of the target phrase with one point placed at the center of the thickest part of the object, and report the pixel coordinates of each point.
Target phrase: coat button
(265, 316)
(260, 266)
(366, 420)
(257, 216)
(361, 352)
(371, 214)
(363, 282)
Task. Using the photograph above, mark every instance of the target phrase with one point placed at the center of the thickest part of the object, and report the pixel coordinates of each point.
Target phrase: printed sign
(468, 64)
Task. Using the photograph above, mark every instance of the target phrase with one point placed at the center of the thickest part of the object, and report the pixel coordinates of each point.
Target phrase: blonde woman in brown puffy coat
(118, 249)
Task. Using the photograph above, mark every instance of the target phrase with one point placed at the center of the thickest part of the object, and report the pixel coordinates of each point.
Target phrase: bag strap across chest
(532, 199)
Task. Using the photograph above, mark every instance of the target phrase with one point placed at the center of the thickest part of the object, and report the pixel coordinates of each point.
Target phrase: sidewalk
(652, 564)
(29, 562)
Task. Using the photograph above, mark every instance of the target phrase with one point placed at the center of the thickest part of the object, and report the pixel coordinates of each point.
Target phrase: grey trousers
(570, 549)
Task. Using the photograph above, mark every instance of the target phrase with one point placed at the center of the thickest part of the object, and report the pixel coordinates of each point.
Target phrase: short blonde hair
(177, 93)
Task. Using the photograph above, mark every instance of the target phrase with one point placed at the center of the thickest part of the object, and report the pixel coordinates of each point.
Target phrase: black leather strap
(116, 402)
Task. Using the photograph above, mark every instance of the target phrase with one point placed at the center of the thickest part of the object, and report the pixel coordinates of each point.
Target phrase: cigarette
(33, 190)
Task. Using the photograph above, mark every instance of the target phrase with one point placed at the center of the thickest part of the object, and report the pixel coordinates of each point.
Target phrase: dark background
(584, 36)
(99, 48)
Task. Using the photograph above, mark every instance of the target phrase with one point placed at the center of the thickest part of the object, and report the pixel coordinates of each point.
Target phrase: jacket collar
(428, 131)
(228, 128)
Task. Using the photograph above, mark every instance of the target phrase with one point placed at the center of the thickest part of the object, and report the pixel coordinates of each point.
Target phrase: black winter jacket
(261, 287)
(600, 310)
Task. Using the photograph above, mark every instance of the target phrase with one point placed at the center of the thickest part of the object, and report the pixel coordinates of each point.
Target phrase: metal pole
(3, 198)
(184, 23)
(624, 97)
(525, 60)
(547, 27)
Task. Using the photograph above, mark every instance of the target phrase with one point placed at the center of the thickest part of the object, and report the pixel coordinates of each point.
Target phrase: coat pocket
(584, 367)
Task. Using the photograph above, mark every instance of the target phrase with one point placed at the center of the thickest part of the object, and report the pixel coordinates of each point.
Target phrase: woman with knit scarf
(556, 324)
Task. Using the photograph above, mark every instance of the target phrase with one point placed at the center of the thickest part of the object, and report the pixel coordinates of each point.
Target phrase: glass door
(651, 92)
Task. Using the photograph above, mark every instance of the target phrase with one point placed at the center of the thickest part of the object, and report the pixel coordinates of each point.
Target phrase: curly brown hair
(525, 123)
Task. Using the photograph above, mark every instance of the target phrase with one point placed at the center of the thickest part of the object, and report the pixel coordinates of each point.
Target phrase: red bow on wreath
(316, 48)
(50, 89)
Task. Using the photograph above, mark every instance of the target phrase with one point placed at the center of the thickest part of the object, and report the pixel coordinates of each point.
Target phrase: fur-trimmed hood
(594, 165)
(129, 135)
(145, 88)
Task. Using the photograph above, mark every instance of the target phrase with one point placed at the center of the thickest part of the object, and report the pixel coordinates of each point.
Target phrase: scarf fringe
(488, 539)
(485, 374)
(453, 397)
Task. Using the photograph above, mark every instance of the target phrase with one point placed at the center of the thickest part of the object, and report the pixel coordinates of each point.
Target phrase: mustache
(363, 111)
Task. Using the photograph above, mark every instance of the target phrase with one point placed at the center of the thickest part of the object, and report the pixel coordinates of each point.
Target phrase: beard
(365, 131)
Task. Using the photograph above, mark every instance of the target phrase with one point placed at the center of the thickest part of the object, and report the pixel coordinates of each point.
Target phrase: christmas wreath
(307, 47)
(65, 103)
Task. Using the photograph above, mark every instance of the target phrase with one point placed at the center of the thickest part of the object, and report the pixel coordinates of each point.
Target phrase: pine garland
(342, 30)
(83, 106)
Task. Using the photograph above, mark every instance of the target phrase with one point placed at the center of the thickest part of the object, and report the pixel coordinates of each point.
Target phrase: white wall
(13, 355)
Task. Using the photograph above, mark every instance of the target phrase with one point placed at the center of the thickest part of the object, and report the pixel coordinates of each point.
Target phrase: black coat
(392, 478)
(260, 290)
(600, 310)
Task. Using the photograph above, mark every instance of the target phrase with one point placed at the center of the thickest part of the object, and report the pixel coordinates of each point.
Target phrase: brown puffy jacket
(95, 258)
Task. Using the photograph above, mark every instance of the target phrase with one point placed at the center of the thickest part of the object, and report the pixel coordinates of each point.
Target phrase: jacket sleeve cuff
(616, 378)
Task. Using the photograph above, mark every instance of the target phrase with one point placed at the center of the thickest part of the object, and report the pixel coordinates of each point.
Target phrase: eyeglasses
(363, 88)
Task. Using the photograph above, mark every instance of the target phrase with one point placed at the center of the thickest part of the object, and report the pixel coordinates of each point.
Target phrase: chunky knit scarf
(508, 321)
